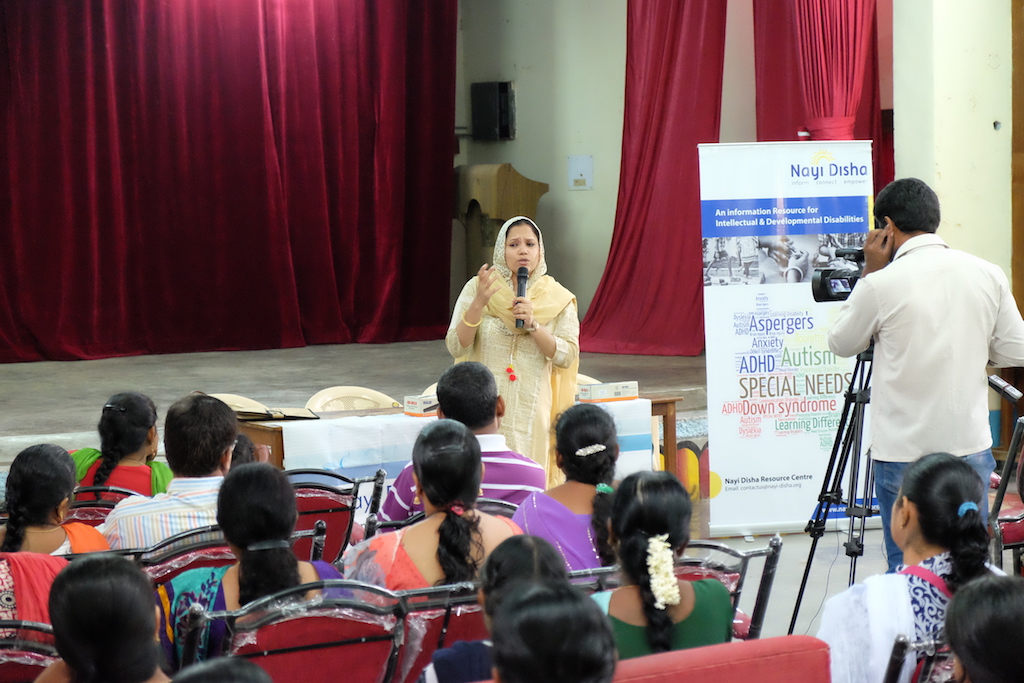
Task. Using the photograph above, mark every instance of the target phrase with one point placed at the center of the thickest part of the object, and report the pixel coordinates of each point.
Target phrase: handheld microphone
(521, 277)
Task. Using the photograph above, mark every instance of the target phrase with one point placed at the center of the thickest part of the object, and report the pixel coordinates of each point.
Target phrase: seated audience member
(519, 558)
(199, 435)
(467, 393)
(128, 444)
(551, 633)
(224, 670)
(25, 580)
(985, 629)
(938, 526)
(654, 611)
(104, 624)
(574, 515)
(454, 539)
(246, 452)
(39, 490)
(256, 511)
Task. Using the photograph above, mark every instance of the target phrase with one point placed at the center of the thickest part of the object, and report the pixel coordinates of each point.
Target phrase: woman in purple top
(573, 517)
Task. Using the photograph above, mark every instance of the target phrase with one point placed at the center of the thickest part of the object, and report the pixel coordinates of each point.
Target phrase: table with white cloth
(359, 445)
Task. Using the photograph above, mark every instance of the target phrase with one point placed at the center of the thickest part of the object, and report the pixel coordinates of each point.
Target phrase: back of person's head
(446, 460)
(910, 203)
(651, 521)
(223, 670)
(552, 633)
(985, 629)
(256, 510)
(468, 394)
(41, 477)
(104, 624)
(946, 491)
(124, 426)
(245, 451)
(197, 432)
(588, 447)
(519, 558)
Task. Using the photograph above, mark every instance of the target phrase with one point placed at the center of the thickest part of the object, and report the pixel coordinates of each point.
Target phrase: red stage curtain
(650, 300)
(833, 51)
(194, 175)
(780, 106)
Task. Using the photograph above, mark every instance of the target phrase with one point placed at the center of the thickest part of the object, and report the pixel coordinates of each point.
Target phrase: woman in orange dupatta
(453, 539)
(40, 486)
(535, 365)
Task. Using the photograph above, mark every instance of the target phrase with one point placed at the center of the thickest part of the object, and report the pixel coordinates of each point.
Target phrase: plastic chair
(437, 617)
(356, 637)
(586, 379)
(207, 547)
(26, 649)
(1006, 524)
(111, 494)
(349, 398)
(491, 506)
(935, 664)
(497, 507)
(706, 560)
(97, 503)
(322, 495)
(430, 391)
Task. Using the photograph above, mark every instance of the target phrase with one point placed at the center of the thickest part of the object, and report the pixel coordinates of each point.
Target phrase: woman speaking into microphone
(535, 363)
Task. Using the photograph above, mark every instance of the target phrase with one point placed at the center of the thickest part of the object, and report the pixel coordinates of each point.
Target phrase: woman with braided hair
(128, 444)
(256, 510)
(574, 516)
(39, 490)
(454, 539)
(939, 528)
(654, 611)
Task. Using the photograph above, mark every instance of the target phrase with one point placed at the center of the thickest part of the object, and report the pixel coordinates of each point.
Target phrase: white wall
(739, 116)
(952, 65)
(567, 59)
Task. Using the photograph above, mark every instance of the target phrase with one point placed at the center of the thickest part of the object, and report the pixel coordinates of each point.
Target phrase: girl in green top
(654, 611)
(128, 444)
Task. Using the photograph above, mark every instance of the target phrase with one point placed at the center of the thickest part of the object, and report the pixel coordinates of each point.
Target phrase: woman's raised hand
(487, 285)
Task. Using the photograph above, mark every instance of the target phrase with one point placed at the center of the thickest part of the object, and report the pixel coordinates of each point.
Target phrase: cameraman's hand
(878, 249)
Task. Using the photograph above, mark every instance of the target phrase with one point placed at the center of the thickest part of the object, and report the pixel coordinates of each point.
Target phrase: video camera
(836, 284)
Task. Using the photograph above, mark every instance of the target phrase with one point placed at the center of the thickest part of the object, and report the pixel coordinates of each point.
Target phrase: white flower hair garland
(590, 450)
(661, 568)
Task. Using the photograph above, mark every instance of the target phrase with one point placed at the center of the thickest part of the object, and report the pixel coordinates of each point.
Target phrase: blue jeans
(888, 476)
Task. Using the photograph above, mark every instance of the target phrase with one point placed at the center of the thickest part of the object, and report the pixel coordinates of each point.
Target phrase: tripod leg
(847, 443)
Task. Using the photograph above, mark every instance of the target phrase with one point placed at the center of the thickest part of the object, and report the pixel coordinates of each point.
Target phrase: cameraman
(937, 316)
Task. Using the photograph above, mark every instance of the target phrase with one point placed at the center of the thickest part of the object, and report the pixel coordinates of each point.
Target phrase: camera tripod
(845, 458)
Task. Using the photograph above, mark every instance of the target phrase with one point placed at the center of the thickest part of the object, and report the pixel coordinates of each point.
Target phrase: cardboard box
(421, 406)
(610, 391)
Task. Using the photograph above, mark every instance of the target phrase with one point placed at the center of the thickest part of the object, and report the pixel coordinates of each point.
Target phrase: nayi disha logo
(823, 165)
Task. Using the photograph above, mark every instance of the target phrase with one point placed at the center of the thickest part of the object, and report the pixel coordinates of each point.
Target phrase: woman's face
(522, 248)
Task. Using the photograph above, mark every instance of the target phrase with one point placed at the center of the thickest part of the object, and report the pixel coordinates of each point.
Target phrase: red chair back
(204, 547)
(26, 649)
(321, 649)
(334, 507)
(437, 618)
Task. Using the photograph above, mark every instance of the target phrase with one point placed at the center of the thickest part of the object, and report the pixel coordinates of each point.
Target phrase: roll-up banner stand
(771, 213)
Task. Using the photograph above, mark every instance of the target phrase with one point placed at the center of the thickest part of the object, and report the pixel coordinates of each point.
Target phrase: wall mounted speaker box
(493, 110)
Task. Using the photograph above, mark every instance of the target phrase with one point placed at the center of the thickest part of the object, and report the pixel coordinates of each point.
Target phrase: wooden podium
(487, 195)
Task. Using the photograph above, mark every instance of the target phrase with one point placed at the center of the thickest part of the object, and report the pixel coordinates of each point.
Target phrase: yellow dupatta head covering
(549, 299)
